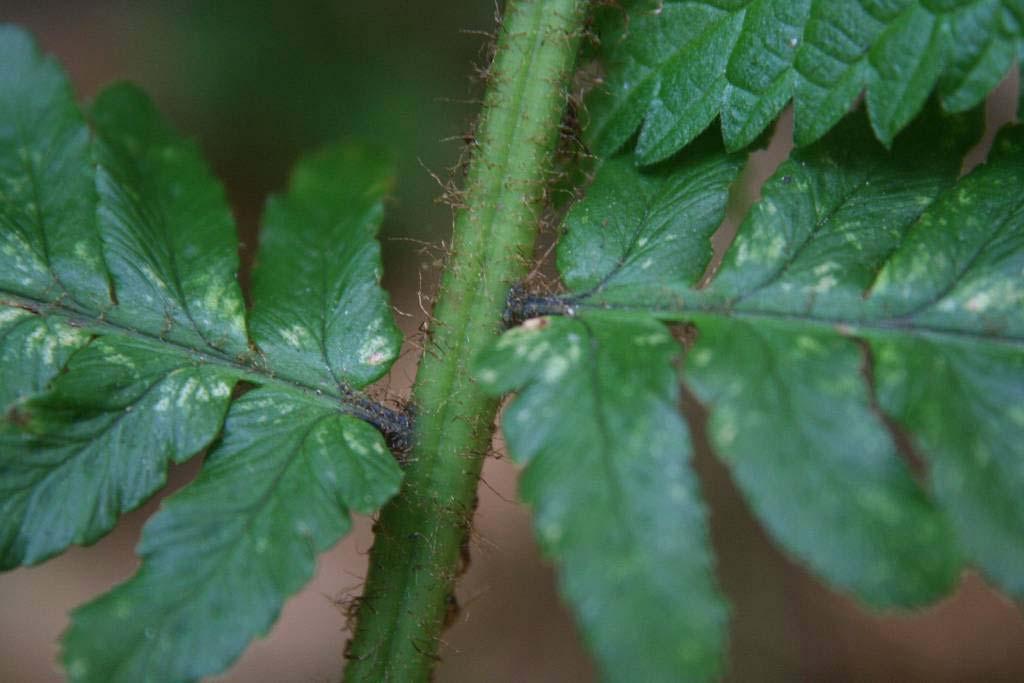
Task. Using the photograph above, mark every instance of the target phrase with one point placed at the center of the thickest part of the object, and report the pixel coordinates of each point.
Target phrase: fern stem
(420, 536)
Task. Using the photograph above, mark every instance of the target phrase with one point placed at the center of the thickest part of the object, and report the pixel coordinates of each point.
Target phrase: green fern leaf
(320, 316)
(98, 443)
(672, 67)
(123, 336)
(135, 400)
(221, 556)
(49, 246)
(866, 285)
(596, 423)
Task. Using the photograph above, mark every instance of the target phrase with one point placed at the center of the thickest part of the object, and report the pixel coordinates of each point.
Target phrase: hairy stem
(417, 551)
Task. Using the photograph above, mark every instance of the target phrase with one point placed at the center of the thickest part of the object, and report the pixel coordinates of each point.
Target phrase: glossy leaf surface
(672, 67)
(122, 339)
(852, 241)
(614, 500)
(320, 315)
(32, 350)
(793, 418)
(866, 286)
(221, 556)
(946, 306)
(49, 244)
(169, 238)
(99, 441)
(655, 224)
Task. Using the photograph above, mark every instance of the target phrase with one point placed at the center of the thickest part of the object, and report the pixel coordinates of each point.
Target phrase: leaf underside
(320, 315)
(927, 277)
(867, 287)
(123, 336)
(130, 402)
(671, 67)
(221, 557)
(614, 500)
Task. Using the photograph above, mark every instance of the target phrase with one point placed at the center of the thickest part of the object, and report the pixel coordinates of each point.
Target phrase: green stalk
(416, 554)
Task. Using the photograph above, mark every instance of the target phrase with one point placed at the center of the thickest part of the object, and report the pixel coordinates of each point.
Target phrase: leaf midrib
(817, 231)
(849, 327)
(229, 549)
(352, 402)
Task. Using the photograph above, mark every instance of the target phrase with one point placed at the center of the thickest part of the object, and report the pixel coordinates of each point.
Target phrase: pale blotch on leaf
(297, 336)
(353, 442)
(375, 351)
(150, 276)
(555, 368)
(114, 358)
(701, 357)
(727, 432)
(824, 284)
(88, 256)
(11, 314)
(191, 388)
(219, 301)
(551, 532)
(808, 344)
(50, 344)
(78, 668)
(221, 390)
(573, 351)
(534, 324)
(653, 339)
(978, 302)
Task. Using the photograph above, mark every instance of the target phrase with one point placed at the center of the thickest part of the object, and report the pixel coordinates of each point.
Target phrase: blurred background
(257, 83)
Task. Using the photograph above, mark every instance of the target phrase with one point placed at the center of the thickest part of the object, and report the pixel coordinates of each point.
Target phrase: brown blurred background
(257, 83)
